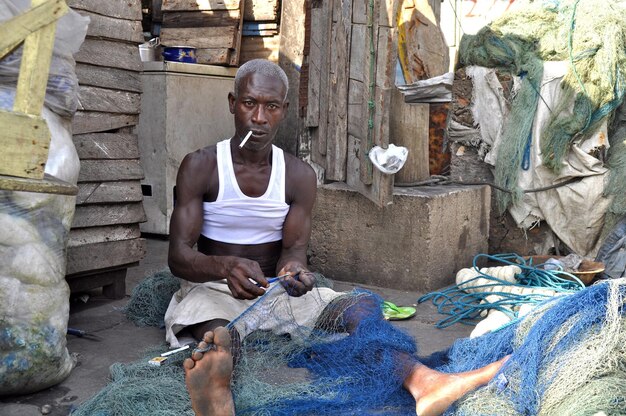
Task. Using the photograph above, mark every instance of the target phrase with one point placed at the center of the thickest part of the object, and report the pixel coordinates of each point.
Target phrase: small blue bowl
(185, 54)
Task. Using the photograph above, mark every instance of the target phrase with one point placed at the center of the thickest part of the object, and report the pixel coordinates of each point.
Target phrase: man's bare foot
(208, 375)
(434, 392)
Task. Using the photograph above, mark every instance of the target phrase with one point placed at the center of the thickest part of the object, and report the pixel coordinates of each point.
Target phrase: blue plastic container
(185, 54)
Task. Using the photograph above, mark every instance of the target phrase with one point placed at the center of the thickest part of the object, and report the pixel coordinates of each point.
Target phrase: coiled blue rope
(465, 308)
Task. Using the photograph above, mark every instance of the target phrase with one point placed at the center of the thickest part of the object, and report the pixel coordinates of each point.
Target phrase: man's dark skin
(260, 107)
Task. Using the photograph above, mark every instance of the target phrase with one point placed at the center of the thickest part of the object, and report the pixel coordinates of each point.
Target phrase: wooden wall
(343, 77)
(105, 239)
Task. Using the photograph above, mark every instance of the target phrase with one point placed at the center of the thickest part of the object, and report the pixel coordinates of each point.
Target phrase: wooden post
(25, 137)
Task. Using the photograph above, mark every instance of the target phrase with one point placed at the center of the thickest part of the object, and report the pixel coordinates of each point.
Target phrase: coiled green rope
(465, 308)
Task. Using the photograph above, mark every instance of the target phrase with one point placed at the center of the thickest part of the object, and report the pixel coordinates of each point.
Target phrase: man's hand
(298, 280)
(240, 272)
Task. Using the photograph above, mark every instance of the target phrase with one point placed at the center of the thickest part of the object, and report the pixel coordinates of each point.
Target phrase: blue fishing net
(562, 350)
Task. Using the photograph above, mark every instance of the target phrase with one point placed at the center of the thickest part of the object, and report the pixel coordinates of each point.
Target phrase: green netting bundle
(591, 37)
(150, 298)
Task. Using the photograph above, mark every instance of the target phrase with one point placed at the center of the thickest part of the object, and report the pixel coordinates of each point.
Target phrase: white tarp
(575, 212)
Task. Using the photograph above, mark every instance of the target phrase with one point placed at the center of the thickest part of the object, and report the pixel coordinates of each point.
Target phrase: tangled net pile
(591, 39)
(568, 356)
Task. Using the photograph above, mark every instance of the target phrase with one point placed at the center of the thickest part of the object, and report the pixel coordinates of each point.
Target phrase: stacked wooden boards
(105, 238)
(261, 30)
(213, 27)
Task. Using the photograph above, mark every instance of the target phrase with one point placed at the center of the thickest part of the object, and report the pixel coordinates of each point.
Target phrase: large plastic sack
(34, 229)
(34, 295)
(62, 87)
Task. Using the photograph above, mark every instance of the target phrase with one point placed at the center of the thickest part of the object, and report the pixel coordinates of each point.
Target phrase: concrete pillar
(418, 243)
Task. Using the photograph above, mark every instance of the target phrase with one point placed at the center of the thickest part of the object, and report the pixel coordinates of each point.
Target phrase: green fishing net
(590, 37)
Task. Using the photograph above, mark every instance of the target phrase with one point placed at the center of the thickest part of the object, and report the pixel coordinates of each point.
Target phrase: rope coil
(480, 290)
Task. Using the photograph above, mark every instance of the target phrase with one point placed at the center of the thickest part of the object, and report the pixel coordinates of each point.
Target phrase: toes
(208, 337)
(189, 364)
(196, 356)
(222, 338)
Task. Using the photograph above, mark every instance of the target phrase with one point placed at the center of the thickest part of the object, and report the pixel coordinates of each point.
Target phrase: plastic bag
(62, 88)
(389, 160)
(34, 295)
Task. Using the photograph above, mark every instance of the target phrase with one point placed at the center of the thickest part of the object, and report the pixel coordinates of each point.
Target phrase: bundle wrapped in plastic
(34, 295)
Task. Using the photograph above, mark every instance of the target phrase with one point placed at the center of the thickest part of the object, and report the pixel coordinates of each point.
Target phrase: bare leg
(208, 375)
(198, 330)
(434, 392)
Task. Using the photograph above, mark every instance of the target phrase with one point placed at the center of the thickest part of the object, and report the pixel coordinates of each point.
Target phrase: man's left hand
(298, 281)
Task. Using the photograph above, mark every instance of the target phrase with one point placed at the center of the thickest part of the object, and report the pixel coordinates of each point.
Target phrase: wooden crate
(105, 238)
(212, 27)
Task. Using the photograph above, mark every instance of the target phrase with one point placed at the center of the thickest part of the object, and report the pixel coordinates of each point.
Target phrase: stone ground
(119, 340)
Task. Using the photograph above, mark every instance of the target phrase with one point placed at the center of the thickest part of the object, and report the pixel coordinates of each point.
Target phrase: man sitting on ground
(247, 205)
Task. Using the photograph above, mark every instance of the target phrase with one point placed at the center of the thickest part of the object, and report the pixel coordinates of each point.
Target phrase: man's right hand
(242, 275)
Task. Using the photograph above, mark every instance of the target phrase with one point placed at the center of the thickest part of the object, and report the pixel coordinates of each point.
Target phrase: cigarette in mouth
(245, 139)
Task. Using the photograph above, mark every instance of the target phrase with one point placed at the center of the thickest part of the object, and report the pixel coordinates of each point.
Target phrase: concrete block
(418, 243)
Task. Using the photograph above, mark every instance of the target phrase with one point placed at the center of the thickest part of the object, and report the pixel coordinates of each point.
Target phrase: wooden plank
(109, 54)
(205, 37)
(91, 235)
(359, 47)
(212, 18)
(213, 56)
(104, 77)
(25, 141)
(99, 192)
(409, 128)
(110, 170)
(108, 214)
(48, 185)
(34, 67)
(267, 10)
(319, 73)
(93, 121)
(357, 103)
(258, 47)
(106, 146)
(388, 11)
(376, 186)
(107, 100)
(369, 75)
(104, 255)
(337, 146)
(236, 53)
(189, 5)
(316, 49)
(14, 30)
(385, 83)
(120, 9)
(105, 27)
(359, 11)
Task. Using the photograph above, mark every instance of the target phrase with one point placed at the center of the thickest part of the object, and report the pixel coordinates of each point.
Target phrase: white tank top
(237, 218)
